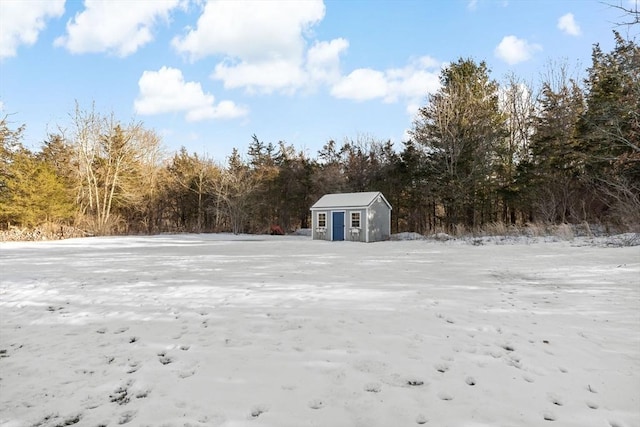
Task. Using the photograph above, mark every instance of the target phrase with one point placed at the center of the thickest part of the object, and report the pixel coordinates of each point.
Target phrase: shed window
(355, 219)
(322, 219)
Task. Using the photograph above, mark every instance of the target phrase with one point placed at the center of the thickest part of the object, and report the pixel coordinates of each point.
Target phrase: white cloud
(22, 21)
(513, 50)
(263, 45)
(472, 4)
(362, 84)
(118, 26)
(251, 30)
(267, 46)
(321, 65)
(262, 76)
(415, 80)
(323, 60)
(165, 91)
(568, 24)
(411, 83)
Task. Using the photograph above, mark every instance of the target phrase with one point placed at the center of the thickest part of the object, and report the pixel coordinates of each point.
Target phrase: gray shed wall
(379, 219)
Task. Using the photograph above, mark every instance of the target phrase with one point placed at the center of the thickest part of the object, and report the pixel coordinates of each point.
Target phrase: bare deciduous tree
(107, 153)
(630, 14)
(235, 188)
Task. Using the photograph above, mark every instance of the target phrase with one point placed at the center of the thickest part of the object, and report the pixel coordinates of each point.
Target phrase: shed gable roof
(348, 200)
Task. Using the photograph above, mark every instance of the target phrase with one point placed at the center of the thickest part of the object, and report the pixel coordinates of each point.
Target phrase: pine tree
(610, 129)
(33, 194)
(551, 177)
(461, 129)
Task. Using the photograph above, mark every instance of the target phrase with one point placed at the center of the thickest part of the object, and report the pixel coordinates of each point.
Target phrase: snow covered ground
(220, 330)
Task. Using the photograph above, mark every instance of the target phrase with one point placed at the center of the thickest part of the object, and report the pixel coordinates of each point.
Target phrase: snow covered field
(220, 330)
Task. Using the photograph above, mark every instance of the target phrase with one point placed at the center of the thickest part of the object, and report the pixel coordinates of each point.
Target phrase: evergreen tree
(414, 207)
(518, 105)
(10, 144)
(33, 194)
(329, 175)
(610, 129)
(551, 177)
(461, 129)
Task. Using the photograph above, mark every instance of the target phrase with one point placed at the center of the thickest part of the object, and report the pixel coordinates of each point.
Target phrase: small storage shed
(360, 217)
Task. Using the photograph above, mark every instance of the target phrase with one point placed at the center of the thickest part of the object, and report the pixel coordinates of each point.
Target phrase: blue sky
(209, 75)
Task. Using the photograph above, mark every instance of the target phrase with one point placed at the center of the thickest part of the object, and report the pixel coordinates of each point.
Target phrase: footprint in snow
(121, 330)
(508, 347)
(127, 416)
(421, 419)
(372, 388)
(164, 359)
(258, 410)
(549, 416)
(70, 420)
(121, 395)
(555, 399)
(316, 404)
(442, 367)
(470, 381)
(133, 367)
(515, 362)
(142, 394)
(445, 396)
(186, 374)
(591, 404)
(445, 318)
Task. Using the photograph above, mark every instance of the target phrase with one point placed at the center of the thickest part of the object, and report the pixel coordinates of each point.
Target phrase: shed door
(337, 219)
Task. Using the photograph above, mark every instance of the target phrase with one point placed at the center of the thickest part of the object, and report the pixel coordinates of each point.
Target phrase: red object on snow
(276, 230)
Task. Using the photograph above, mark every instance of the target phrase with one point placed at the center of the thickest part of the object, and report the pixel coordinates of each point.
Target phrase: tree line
(480, 152)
